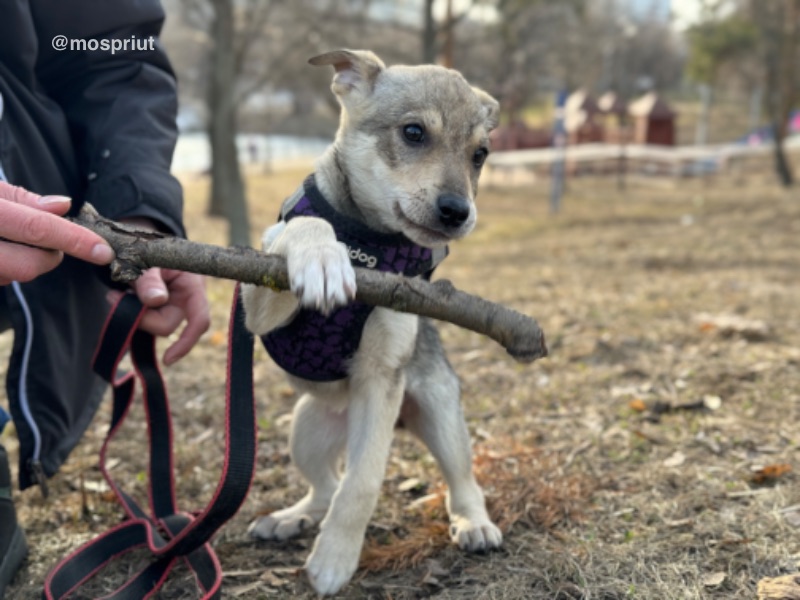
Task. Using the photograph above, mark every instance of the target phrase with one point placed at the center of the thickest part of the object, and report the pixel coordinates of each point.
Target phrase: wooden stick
(138, 250)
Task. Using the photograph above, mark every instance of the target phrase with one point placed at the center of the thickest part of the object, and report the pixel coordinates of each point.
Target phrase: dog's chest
(318, 347)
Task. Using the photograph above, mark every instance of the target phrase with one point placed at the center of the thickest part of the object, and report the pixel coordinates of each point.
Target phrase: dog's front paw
(332, 562)
(475, 535)
(321, 275)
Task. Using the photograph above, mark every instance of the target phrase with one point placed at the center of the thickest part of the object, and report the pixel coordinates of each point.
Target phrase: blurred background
(648, 89)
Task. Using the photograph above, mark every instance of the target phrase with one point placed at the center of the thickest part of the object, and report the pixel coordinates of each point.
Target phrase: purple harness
(318, 348)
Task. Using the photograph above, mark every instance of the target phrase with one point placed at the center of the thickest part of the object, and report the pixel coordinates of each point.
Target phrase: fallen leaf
(676, 460)
(218, 338)
(412, 485)
(714, 579)
(638, 405)
(712, 402)
(96, 487)
(770, 473)
(729, 325)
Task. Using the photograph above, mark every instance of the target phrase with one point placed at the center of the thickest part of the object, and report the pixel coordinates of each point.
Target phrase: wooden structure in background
(653, 120)
(581, 119)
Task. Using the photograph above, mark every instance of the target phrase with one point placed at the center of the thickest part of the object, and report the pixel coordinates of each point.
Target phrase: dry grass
(607, 473)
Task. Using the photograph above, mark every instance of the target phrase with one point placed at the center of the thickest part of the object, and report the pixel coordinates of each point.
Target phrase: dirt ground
(648, 457)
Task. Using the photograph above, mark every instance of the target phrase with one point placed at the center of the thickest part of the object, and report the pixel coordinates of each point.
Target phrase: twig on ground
(138, 250)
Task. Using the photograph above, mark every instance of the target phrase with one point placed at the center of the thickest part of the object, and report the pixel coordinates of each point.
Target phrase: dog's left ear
(491, 108)
(356, 71)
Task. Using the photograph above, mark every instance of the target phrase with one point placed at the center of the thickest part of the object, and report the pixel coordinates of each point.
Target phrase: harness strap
(308, 200)
(166, 532)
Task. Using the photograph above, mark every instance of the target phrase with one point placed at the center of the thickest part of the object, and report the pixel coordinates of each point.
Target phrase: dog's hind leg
(317, 440)
(432, 411)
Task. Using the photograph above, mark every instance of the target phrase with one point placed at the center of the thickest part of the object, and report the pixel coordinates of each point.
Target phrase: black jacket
(99, 127)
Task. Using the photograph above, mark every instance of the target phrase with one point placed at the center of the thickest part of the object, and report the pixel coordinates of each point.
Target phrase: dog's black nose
(453, 210)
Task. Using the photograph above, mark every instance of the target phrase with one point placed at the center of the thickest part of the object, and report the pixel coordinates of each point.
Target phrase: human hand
(34, 237)
(173, 297)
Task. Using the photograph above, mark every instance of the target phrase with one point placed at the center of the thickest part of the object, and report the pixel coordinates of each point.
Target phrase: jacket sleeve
(119, 94)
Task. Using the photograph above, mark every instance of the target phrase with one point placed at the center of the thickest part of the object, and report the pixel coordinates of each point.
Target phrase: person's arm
(120, 104)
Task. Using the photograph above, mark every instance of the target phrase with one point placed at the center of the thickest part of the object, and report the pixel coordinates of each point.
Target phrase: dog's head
(412, 141)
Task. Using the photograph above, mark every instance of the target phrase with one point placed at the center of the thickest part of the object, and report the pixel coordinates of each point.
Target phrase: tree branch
(255, 17)
(138, 250)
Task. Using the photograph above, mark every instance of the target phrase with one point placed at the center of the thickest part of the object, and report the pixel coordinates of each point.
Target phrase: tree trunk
(701, 134)
(783, 167)
(429, 34)
(781, 77)
(449, 33)
(227, 187)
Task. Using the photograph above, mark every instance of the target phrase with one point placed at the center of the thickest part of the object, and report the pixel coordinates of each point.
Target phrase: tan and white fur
(406, 158)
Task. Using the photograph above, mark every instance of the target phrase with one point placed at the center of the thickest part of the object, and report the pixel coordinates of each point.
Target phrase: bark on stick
(138, 250)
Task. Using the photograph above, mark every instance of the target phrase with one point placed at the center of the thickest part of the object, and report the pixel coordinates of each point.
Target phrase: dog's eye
(414, 133)
(479, 157)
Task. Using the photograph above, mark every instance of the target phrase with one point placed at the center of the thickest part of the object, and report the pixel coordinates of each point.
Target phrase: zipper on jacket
(35, 469)
(34, 464)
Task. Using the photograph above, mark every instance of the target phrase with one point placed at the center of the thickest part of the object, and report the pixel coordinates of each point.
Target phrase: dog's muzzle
(453, 210)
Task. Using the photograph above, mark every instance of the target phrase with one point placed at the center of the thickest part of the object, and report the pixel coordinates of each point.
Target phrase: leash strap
(169, 534)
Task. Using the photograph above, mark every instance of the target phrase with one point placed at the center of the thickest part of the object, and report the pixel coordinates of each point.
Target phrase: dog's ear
(356, 70)
(491, 108)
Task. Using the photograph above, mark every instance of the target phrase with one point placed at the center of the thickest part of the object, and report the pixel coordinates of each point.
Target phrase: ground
(647, 457)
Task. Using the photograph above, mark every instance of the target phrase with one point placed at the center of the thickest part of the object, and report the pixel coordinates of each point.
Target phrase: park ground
(652, 455)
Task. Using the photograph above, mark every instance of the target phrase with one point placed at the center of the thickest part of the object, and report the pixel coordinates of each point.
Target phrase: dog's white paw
(332, 562)
(475, 535)
(289, 522)
(272, 527)
(321, 275)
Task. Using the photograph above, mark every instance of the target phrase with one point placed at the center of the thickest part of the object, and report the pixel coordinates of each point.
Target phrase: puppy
(398, 183)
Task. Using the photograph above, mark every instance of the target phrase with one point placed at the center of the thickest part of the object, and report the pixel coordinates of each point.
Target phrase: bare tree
(716, 44)
(755, 40)
(778, 22)
(535, 40)
(441, 50)
(227, 186)
(235, 30)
